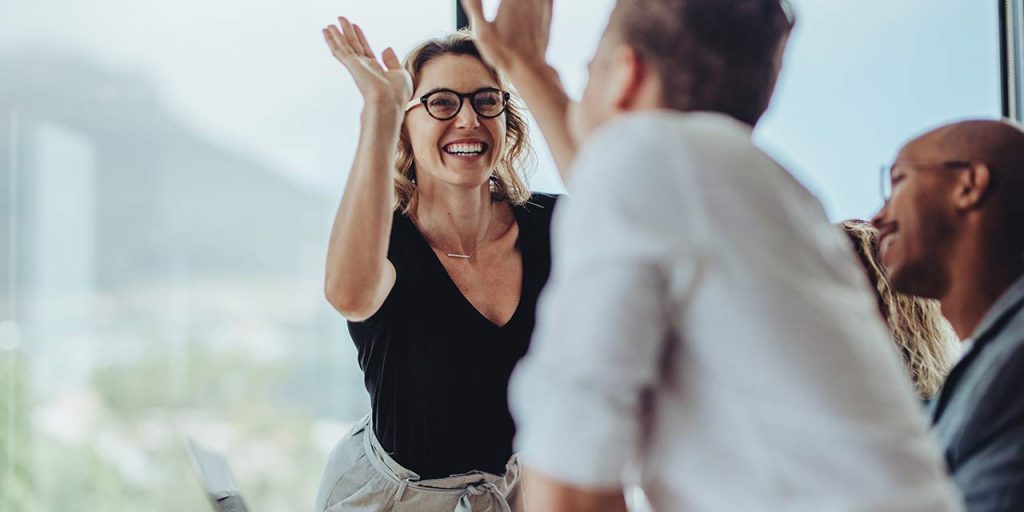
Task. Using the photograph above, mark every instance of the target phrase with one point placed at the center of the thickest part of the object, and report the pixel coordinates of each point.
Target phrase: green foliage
(127, 454)
(15, 458)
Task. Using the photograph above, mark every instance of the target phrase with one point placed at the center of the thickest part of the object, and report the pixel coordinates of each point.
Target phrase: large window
(860, 78)
(169, 175)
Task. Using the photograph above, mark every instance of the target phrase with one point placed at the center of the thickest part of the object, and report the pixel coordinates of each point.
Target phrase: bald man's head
(999, 145)
(959, 184)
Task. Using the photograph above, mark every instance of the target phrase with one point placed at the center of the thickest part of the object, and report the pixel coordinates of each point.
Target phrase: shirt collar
(1010, 298)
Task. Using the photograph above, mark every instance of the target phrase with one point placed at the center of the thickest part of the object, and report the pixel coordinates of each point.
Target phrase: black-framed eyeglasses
(887, 179)
(444, 104)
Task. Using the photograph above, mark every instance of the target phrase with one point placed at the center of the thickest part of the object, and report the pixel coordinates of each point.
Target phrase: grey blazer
(979, 413)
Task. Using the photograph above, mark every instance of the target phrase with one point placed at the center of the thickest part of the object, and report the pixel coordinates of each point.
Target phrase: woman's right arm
(359, 276)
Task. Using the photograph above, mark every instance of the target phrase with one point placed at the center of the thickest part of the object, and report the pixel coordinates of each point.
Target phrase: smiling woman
(437, 257)
(456, 59)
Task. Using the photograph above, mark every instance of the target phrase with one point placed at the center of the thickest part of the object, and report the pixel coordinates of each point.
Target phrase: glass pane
(576, 28)
(169, 176)
(860, 78)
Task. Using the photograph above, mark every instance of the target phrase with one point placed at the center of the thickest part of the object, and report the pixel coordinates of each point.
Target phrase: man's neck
(976, 283)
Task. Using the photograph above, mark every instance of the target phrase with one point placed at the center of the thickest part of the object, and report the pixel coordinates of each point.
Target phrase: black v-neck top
(436, 369)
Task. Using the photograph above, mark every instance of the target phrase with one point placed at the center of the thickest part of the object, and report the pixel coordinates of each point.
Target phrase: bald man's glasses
(892, 174)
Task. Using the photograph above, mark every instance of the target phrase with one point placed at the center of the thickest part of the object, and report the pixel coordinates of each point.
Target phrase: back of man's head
(710, 55)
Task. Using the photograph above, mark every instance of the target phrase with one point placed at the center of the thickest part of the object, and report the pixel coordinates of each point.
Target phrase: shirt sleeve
(603, 323)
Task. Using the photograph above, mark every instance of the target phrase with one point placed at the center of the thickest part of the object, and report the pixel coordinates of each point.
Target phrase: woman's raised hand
(388, 85)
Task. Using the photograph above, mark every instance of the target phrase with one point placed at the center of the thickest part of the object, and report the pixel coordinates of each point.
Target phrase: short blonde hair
(508, 181)
(710, 55)
(923, 336)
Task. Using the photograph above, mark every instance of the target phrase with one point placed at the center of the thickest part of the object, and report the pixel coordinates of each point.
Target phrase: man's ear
(973, 186)
(628, 76)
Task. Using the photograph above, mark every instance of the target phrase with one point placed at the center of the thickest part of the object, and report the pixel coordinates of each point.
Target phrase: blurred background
(168, 177)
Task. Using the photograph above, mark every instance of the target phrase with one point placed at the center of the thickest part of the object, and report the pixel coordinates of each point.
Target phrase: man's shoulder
(653, 144)
(991, 380)
(982, 428)
(1001, 357)
(655, 127)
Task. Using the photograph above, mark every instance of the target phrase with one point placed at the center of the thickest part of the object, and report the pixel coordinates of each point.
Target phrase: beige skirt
(361, 476)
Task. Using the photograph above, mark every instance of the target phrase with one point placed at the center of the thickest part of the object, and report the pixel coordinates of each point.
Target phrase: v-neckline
(458, 291)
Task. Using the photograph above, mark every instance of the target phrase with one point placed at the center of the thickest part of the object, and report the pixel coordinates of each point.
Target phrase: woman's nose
(467, 117)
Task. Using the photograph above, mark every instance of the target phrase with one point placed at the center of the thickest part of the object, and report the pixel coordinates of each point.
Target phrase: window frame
(1011, 44)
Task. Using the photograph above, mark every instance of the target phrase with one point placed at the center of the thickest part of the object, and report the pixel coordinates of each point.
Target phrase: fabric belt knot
(464, 504)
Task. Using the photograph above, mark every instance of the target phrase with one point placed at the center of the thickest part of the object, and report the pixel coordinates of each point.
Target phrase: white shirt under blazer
(705, 323)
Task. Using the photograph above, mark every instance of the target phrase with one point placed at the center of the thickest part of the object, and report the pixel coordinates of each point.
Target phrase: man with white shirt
(704, 323)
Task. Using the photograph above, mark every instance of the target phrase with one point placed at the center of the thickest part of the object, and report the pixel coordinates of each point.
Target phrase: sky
(861, 76)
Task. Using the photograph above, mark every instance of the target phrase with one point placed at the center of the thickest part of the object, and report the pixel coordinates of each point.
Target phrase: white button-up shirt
(706, 322)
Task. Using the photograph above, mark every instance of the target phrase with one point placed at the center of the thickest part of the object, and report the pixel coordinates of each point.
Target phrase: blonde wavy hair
(923, 336)
(508, 180)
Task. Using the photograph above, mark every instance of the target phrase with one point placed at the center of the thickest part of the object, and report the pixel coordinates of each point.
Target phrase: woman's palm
(390, 83)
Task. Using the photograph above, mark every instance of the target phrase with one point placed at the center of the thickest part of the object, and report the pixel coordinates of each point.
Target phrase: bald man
(952, 229)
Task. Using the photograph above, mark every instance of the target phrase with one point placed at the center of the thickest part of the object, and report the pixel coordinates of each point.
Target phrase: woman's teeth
(464, 149)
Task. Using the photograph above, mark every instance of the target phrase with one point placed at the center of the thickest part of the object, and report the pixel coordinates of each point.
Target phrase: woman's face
(464, 150)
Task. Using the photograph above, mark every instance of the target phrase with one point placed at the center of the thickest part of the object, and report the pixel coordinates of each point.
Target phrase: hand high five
(389, 85)
(518, 35)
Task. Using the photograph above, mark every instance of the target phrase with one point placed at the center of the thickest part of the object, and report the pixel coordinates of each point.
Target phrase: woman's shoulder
(401, 225)
(535, 214)
(404, 240)
(541, 205)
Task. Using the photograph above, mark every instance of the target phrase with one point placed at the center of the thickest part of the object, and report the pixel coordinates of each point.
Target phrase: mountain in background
(159, 200)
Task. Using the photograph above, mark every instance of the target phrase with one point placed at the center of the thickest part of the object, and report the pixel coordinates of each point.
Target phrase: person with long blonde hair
(924, 338)
(436, 259)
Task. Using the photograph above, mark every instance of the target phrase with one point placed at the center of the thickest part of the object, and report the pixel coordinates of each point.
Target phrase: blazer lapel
(990, 327)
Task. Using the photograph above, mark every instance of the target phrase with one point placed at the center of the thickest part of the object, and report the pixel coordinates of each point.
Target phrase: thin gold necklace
(451, 254)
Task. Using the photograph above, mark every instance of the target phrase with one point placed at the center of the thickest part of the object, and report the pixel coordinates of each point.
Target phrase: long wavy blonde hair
(508, 180)
(923, 336)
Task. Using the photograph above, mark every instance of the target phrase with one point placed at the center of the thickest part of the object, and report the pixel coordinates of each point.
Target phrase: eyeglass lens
(446, 104)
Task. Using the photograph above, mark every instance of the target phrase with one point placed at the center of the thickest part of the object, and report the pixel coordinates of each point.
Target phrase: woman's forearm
(358, 276)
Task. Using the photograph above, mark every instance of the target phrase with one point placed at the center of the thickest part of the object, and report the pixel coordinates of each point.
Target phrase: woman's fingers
(363, 42)
(337, 42)
(349, 45)
(350, 35)
(390, 59)
(349, 41)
